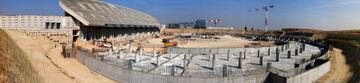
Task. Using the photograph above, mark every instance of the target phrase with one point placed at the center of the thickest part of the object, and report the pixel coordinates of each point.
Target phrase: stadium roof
(99, 13)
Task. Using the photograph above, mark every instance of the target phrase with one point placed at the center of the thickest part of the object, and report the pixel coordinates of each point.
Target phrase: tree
(245, 28)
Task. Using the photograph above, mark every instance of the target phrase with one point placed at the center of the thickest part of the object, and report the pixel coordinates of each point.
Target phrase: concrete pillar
(240, 54)
(213, 61)
(258, 53)
(102, 57)
(304, 45)
(261, 60)
(129, 48)
(277, 50)
(154, 53)
(209, 57)
(121, 54)
(172, 72)
(130, 64)
(239, 63)
(137, 57)
(269, 51)
(110, 52)
(170, 54)
(287, 46)
(277, 57)
(225, 71)
(289, 54)
(141, 51)
(296, 52)
(184, 65)
(268, 66)
(228, 55)
(157, 61)
(245, 54)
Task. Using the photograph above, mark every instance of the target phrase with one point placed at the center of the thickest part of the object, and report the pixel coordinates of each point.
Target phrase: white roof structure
(99, 13)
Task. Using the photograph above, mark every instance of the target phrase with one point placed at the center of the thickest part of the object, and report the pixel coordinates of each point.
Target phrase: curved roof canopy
(99, 13)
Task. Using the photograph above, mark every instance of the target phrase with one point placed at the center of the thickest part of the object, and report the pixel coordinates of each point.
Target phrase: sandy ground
(50, 64)
(224, 41)
(340, 71)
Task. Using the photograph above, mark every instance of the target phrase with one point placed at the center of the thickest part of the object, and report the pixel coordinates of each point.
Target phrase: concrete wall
(311, 75)
(126, 75)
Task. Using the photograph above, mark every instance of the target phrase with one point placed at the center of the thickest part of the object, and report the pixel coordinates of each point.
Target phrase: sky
(315, 14)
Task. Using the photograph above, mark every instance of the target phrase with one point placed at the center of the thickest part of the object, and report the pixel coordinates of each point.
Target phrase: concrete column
(245, 54)
(228, 55)
(213, 62)
(277, 51)
(289, 54)
(304, 45)
(239, 63)
(172, 73)
(209, 57)
(137, 57)
(170, 54)
(240, 54)
(130, 64)
(184, 65)
(287, 46)
(268, 67)
(277, 57)
(141, 51)
(225, 71)
(121, 55)
(154, 53)
(269, 51)
(261, 60)
(110, 52)
(258, 53)
(102, 57)
(129, 48)
(157, 61)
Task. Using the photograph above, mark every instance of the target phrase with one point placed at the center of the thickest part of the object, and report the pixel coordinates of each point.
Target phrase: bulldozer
(167, 43)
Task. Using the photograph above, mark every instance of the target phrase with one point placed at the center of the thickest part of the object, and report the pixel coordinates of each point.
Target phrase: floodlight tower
(265, 8)
(216, 21)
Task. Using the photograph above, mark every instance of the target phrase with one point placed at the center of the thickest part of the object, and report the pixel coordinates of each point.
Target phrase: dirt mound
(14, 65)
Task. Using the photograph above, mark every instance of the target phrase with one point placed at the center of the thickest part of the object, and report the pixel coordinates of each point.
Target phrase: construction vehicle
(167, 43)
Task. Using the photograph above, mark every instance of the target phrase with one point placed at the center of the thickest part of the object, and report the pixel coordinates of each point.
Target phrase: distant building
(200, 23)
(188, 25)
(37, 22)
(181, 25)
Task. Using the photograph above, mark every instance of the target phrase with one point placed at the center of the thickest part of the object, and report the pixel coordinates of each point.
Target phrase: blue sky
(318, 14)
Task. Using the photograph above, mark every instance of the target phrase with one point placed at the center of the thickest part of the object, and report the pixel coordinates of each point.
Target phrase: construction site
(113, 43)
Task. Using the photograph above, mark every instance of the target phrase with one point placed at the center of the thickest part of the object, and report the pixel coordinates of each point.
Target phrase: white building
(37, 22)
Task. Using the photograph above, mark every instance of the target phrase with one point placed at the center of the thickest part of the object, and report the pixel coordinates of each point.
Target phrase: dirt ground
(340, 71)
(224, 41)
(50, 64)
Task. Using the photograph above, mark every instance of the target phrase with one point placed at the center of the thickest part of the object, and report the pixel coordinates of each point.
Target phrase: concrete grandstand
(99, 20)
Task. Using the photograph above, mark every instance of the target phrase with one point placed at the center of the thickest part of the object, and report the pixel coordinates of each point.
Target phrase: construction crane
(266, 9)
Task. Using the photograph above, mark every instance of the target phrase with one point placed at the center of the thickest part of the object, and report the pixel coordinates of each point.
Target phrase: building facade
(100, 21)
(37, 22)
(198, 24)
